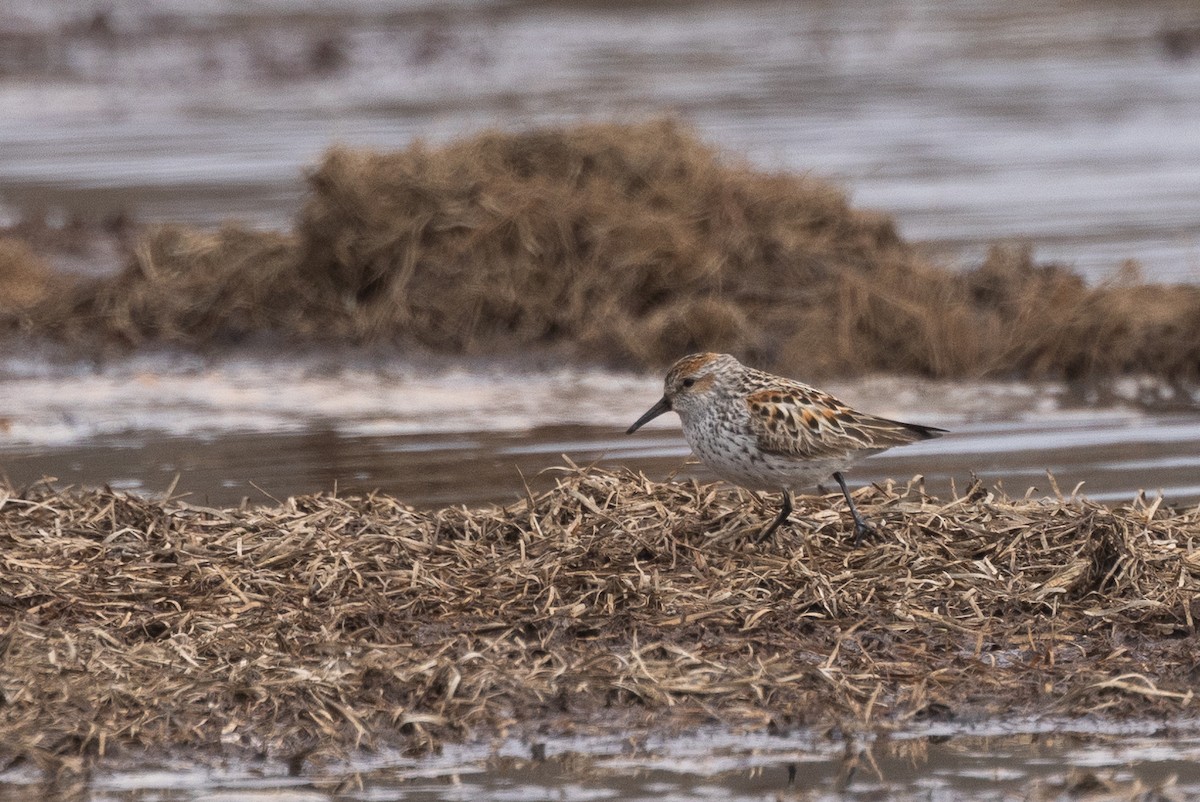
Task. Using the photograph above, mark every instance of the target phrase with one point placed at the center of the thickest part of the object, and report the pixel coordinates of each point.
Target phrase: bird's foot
(863, 531)
(767, 531)
(784, 512)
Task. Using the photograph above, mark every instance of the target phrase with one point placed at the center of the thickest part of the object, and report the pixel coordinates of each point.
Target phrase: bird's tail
(894, 433)
(922, 432)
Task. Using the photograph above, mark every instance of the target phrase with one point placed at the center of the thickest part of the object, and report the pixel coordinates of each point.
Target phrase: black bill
(662, 406)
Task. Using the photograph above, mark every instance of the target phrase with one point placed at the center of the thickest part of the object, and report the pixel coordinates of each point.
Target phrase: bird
(770, 433)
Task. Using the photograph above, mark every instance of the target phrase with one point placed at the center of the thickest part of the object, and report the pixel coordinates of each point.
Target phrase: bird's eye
(688, 382)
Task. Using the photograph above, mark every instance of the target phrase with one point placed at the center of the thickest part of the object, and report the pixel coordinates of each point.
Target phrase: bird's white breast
(728, 448)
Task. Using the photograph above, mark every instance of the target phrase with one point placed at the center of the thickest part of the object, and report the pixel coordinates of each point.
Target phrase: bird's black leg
(779, 519)
(861, 527)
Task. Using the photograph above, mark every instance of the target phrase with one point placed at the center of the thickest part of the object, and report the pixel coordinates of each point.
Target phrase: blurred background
(1072, 127)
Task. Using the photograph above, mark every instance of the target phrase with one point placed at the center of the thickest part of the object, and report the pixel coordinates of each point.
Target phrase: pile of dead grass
(26, 281)
(634, 243)
(191, 287)
(619, 244)
(329, 623)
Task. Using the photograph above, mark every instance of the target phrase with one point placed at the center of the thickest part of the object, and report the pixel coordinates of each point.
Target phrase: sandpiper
(766, 432)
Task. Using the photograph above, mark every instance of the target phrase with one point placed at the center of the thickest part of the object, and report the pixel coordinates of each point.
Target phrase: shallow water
(1046, 760)
(263, 428)
(1072, 125)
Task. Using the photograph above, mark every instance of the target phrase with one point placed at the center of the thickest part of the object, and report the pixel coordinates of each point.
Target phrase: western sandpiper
(765, 432)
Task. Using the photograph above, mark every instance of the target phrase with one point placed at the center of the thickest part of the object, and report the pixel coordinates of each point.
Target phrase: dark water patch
(436, 434)
(1100, 458)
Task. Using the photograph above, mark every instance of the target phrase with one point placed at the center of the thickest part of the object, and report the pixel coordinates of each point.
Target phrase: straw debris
(333, 623)
(619, 244)
(26, 280)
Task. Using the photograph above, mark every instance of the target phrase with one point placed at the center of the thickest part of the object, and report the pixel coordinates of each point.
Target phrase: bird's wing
(792, 419)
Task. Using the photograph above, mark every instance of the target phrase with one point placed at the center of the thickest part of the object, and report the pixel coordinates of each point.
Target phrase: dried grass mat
(329, 623)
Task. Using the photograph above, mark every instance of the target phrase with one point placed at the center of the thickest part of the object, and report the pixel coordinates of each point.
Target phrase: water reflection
(998, 761)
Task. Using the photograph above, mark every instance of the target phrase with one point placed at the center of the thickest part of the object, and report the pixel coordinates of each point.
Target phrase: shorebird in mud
(765, 432)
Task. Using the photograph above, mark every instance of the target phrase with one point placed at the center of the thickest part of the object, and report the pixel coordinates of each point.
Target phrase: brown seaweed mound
(625, 245)
(328, 623)
(25, 280)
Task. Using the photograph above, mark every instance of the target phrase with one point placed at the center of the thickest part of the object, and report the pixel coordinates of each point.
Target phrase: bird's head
(692, 382)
